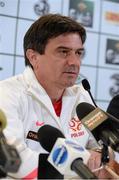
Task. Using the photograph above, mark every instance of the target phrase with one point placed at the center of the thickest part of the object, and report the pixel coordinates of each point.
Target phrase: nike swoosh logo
(39, 123)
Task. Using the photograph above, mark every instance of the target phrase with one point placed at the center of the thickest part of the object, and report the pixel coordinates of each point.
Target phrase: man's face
(60, 63)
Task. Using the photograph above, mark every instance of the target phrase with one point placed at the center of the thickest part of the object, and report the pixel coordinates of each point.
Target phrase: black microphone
(48, 137)
(45, 136)
(105, 152)
(86, 86)
(100, 124)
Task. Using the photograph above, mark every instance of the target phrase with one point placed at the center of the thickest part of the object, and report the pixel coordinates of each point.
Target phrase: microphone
(66, 156)
(99, 123)
(47, 136)
(9, 158)
(105, 152)
(45, 169)
(86, 86)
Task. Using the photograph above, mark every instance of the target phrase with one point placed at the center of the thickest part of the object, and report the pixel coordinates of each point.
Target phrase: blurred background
(100, 64)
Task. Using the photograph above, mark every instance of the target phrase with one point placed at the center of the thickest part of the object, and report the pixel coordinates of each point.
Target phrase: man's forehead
(66, 36)
(70, 48)
(71, 40)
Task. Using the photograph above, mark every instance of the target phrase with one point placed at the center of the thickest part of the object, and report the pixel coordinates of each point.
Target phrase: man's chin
(69, 84)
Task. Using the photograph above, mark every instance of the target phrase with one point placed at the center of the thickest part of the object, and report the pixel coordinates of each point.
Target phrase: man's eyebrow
(67, 48)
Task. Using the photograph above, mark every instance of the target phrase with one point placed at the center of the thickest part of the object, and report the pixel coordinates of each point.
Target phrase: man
(45, 93)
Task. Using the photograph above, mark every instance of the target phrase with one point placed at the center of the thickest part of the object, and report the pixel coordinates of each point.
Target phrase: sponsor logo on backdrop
(116, 1)
(41, 7)
(82, 11)
(2, 3)
(112, 51)
(112, 17)
(113, 91)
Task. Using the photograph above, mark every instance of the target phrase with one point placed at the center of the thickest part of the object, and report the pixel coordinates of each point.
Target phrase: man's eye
(64, 53)
(80, 53)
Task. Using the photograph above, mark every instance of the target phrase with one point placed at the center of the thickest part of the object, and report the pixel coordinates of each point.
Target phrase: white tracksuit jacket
(27, 107)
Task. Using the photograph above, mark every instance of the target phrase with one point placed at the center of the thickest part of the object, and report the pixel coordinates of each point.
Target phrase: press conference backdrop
(100, 63)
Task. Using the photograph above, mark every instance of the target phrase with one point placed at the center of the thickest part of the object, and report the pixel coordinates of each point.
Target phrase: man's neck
(53, 90)
(54, 93)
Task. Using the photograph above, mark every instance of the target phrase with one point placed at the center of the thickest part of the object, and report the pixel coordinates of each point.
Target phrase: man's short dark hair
(48, 27)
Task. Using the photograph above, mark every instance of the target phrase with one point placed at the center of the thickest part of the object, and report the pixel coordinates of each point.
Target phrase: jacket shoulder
(14, 83)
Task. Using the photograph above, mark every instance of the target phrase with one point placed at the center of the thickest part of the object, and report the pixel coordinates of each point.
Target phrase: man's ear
(32, 56)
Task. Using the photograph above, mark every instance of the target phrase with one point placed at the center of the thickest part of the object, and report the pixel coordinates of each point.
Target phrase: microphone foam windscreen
(86, 84)
(47, 136)
(83, 109)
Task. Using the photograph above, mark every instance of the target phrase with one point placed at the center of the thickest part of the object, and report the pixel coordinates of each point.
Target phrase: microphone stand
(82, 170)
(105, 154)
(46, 170)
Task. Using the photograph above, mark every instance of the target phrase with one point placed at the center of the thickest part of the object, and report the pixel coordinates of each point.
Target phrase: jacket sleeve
(15, 130)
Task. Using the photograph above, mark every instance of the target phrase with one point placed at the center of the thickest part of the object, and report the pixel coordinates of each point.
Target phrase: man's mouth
(71, 72)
